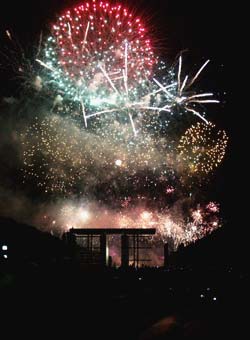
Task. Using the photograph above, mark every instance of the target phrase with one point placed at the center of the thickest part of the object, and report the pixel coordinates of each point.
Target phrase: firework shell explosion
(95, 33)
(112, 135)
(202, 148)
(96, 54)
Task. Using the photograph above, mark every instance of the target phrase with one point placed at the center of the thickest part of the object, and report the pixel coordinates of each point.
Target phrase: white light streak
(197, 114)
(199, 72)
(85, 36)
(45, 65)
(108, 78)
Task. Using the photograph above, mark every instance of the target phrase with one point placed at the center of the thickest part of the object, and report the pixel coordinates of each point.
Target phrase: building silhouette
(90, 246)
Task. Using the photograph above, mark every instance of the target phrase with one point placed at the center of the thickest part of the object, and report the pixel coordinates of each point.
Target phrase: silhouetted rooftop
(126, 231)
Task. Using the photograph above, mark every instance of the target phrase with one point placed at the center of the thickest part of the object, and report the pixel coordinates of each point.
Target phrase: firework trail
(179, 95)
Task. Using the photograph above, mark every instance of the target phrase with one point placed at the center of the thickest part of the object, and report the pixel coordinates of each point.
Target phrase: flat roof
(124, 231)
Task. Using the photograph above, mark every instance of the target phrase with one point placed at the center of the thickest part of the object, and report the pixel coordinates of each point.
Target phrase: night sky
(205, 32)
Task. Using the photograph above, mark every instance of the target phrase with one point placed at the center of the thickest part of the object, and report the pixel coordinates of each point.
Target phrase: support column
(124, 251)
(103, 249)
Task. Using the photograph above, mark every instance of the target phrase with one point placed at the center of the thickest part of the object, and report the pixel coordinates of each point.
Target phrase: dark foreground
(182, 303)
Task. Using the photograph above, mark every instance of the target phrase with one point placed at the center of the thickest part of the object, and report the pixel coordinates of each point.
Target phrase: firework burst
(95, 55)
(180, 95)
(203, 148)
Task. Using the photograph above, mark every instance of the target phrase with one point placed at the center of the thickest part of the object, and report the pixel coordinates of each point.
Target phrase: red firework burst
(97, 33)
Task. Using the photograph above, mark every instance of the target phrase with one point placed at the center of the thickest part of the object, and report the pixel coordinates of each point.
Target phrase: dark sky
(204, 28)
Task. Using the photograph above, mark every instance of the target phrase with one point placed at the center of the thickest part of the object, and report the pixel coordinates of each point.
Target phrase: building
(90, 246)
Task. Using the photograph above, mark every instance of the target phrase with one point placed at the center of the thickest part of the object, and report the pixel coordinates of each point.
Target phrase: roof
(111, 231)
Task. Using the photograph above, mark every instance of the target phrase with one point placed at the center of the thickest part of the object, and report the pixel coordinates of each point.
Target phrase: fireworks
(52, 156)
(213, 207)
(99, 61)
(96, 54)
(179, 95)
(60, 156)
(113, 134)
(203, 148)
(118, 162)
(169, 224)
(93, 34)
